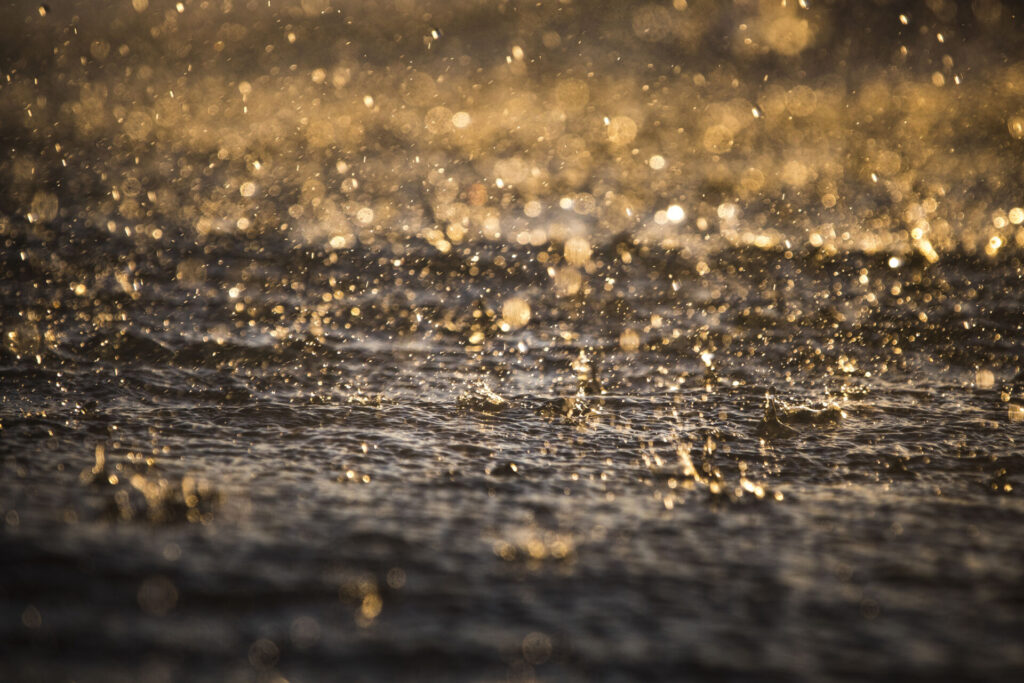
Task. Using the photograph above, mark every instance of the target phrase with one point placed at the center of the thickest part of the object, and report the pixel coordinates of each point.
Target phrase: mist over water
(511, 341)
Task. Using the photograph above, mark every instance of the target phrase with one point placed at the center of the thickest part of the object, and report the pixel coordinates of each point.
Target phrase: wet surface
(445, 395)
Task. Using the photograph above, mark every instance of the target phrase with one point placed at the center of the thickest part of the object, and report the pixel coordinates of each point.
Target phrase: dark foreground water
(478, 342)
(202, 483)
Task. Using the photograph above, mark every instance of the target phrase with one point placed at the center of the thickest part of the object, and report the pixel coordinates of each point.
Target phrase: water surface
(472, 342)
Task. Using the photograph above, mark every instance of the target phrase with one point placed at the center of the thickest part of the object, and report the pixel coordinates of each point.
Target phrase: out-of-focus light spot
(675, 213)
(1015, 413)
(532, 208)
(551, 40)
(318, 75)
(247, 189)
(752, 179)
(727, 211)
(904, 19)
(461, 119)
(140, 5)
(577, 251)
(652, 23)
(801, 101)
(584, 204)
(477, 195)
(938, 80)
(368, 101)
(994, 244)
(291, 37)
(796, 174)
(787, 35)
(656, 162)
(895, 262)
(99, 49)
(622, 130)
(515, 312)
(1016, 215)
(629, 341)
(567, 281)
(717, 139)
(455, 232)
(439, 120)
(984, 379)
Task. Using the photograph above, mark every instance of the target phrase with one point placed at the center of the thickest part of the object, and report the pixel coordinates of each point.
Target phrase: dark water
(578, 377)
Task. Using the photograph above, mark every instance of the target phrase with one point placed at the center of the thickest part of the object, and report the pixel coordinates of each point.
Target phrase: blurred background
(870, 125)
